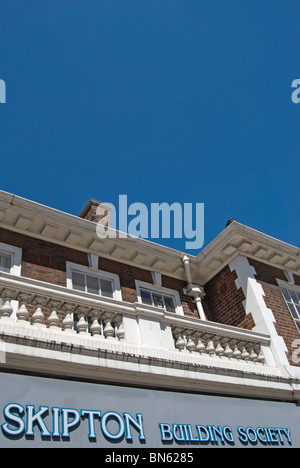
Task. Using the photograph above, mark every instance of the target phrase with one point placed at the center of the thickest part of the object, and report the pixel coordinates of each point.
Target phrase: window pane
(157, 300)
(5, 262)
(169, 304)
(106, 288)
(298, 310)
(286, 294)
(78, 281)
(293, 310)
(92, 283)
(294, 296)
(146, 297)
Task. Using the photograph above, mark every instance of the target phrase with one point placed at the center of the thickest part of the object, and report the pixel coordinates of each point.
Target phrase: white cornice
(238, 239)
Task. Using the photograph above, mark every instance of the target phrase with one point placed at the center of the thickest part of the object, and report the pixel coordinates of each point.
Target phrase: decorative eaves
(39, 221)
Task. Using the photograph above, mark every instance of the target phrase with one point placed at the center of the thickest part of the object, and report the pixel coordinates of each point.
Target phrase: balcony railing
(55, 308)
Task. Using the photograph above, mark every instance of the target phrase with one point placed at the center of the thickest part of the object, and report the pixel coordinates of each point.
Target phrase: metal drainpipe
(197, 297)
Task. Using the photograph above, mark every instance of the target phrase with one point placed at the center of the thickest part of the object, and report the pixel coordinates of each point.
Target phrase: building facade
(112, 342)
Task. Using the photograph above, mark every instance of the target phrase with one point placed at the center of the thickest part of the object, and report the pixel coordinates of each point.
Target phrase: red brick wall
(285, 326)
(42, 260)
(188, 305)
(223, 302)
(46, 261)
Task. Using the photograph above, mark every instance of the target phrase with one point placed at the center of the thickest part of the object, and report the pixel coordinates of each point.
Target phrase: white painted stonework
(255, 304)
(143, 345)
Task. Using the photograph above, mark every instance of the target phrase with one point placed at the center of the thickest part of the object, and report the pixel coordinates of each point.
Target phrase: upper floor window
(158, 300)
(10, 259)
(292, 298)
(94, 282)
(5, 262)
(164, 298)
(10, 262)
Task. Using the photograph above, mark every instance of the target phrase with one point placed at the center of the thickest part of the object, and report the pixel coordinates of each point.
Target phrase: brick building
(120, 323)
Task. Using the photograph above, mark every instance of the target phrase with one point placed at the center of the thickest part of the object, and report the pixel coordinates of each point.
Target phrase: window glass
(169, 303)
(293, 310)
(78, 280)
(292, 299)
(92, 284)
(157, 300)
(285, 292)
(146, 297)
(106, 288)
(5, 262)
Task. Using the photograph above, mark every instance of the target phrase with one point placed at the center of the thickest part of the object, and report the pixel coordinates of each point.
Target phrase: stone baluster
(236, 351)
(22, 312)
(190, 345)
(82, 324)
(260, 356)
(218, 345)
(95, 327)
(200, 347)
(38, 316)
(252, 355)
(245, 355)
(120, 333)
(68, 322)
(210, 347)
(228, 352)
(178, 338)
(53, 319)
(256, 354)
(6, 310)
(108, 330)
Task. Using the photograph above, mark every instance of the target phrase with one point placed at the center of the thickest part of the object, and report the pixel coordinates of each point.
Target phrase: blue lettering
(273, 435)
(119, 419)
(204, 429)
(191, 438)
(178, 434)
(55, 422)
(262, 439)
(250, 431)
(37, 418)
(138, 423)
(242, 434)
(91, 415)
(287, 433)
(227, 431)
(15, 418)
(66, 423)
(165, 432)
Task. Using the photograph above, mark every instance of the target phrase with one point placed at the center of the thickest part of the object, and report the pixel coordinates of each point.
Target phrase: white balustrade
(61, 315)
(6, 310)
(205, 344)
(61, 310)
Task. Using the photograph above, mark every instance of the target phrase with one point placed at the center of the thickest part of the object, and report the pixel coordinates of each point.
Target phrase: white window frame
(70, 267)
(16, 258)
(15, 269)
(292, 287)
(160, 290)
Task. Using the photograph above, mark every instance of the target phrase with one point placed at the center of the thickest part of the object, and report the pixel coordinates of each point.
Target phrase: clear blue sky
(162, 100)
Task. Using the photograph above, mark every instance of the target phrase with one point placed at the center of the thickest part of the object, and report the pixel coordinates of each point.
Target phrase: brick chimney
(95, 211)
